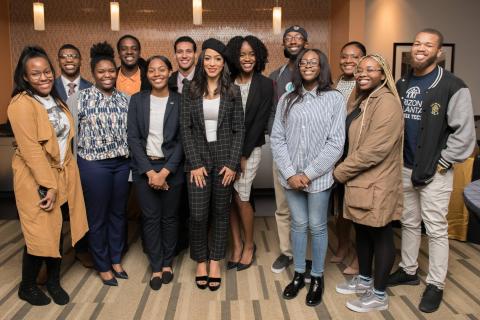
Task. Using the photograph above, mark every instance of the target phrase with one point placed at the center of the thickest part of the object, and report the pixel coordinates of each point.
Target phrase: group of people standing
(197, 133)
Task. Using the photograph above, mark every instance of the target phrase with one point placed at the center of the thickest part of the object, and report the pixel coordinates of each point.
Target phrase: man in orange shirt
(132, 73)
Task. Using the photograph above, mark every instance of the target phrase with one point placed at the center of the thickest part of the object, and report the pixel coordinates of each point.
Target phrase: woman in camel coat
(43, 129)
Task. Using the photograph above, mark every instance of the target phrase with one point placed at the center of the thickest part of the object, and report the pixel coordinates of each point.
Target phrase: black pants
(31, 266)
(378, 242)
(159, 222)
(214, 201)
(183, 221)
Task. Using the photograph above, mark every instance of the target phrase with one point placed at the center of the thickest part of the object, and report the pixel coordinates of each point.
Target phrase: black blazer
(230, 132)
(257, 111)
(84, 84)
(172, 81)
(138, 129)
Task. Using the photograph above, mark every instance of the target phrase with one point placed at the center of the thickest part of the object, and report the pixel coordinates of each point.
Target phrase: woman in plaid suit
(212, 129)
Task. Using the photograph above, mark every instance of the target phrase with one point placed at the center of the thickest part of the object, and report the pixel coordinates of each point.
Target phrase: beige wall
(389, 21)
(5, 57)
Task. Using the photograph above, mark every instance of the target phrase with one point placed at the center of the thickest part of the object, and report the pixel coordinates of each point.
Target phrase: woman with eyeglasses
(372, 176)
(349, 56)
(212, 128)
(248, 58)
(154, 141)
(45, 174)
(307, 140)
(101, 116)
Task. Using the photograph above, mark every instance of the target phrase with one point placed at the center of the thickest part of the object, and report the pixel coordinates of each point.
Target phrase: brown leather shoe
(85, 259)
(42, 275)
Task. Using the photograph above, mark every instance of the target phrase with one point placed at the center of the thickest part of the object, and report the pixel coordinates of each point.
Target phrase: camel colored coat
(372, 171)
(37, 162)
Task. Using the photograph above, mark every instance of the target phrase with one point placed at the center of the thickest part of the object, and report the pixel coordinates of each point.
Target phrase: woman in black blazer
(248, 56)
(212, 134)
(156, 150)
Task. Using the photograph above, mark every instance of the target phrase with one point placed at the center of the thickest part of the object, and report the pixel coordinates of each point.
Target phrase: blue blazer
(84, 84)
(138, 125)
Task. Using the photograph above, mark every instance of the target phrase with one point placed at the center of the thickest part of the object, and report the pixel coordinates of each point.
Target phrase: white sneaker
(354, 285)
(368, 302)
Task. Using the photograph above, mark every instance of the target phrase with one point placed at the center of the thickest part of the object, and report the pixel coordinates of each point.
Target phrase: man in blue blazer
(70, 81)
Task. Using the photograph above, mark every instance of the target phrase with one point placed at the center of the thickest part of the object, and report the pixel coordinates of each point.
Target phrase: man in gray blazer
(70, 81)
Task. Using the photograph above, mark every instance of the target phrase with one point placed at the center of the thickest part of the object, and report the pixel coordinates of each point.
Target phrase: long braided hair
(389, 82)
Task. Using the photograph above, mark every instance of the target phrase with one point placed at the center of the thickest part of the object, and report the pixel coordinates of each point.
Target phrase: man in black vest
(439, 131)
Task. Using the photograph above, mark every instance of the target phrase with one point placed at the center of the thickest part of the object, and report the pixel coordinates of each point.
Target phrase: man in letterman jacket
(439, 131)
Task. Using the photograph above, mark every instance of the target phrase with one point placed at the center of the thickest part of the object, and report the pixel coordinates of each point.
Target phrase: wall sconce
(38, 16)
(115, 16)
(197, 12)
(277, 19)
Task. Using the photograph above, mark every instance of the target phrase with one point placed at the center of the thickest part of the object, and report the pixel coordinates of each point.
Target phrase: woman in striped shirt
(307, 140)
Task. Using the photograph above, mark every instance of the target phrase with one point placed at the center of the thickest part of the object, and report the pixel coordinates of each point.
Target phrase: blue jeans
(309, 211)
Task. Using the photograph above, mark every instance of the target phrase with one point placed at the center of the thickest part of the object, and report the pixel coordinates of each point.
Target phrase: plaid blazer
(226, 151)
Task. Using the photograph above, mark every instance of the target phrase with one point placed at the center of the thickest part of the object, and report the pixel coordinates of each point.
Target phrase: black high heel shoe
(214, 287)
(201, 286)
(121, 275)
(241, 266)
(233, 264)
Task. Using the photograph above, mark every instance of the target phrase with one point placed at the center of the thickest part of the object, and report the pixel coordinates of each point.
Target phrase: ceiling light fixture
(197, 12)
(38, 16)
(277, 19)
(115, 16)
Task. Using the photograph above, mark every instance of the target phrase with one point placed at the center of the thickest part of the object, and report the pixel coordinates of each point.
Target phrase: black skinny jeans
(378, 242)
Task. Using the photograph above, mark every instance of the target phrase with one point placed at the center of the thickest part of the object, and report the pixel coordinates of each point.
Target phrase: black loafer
(431, 299)
(291, 290)
(121, 275)
(167, 277)
(314, 295)
(156, 283)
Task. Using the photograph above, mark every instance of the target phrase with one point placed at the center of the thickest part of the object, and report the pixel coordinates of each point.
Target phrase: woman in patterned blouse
(103, 162)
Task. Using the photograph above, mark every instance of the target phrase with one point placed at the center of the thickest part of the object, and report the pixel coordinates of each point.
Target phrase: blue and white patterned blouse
(102, 124)
(311, 139)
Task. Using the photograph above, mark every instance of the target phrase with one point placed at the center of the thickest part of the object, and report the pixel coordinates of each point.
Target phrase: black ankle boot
(314, 295)
(57, 293)
(291, 290)
(28, 289)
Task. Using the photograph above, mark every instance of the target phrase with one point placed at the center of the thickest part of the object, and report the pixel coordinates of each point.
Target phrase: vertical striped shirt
(102, 124)
(311, 139)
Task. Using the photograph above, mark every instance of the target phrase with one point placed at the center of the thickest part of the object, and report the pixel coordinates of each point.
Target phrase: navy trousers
(105, 189)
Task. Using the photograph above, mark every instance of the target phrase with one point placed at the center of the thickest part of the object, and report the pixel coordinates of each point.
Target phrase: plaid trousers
(209, 211)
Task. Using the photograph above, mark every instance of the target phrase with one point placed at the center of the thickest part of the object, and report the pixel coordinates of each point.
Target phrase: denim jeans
(309, 211)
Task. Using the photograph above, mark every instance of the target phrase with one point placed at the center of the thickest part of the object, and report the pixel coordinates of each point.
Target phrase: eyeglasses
(311, 63)
(38, 75)
(69, 56)
(359, 71)
(297, 37)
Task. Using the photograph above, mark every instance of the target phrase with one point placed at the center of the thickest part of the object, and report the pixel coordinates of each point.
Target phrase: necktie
(71, 88)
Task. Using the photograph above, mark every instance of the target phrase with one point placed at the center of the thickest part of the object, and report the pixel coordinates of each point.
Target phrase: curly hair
(101, 51)
(233, 53)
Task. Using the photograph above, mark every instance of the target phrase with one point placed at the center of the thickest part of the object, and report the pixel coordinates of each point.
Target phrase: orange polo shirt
(129, 85)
